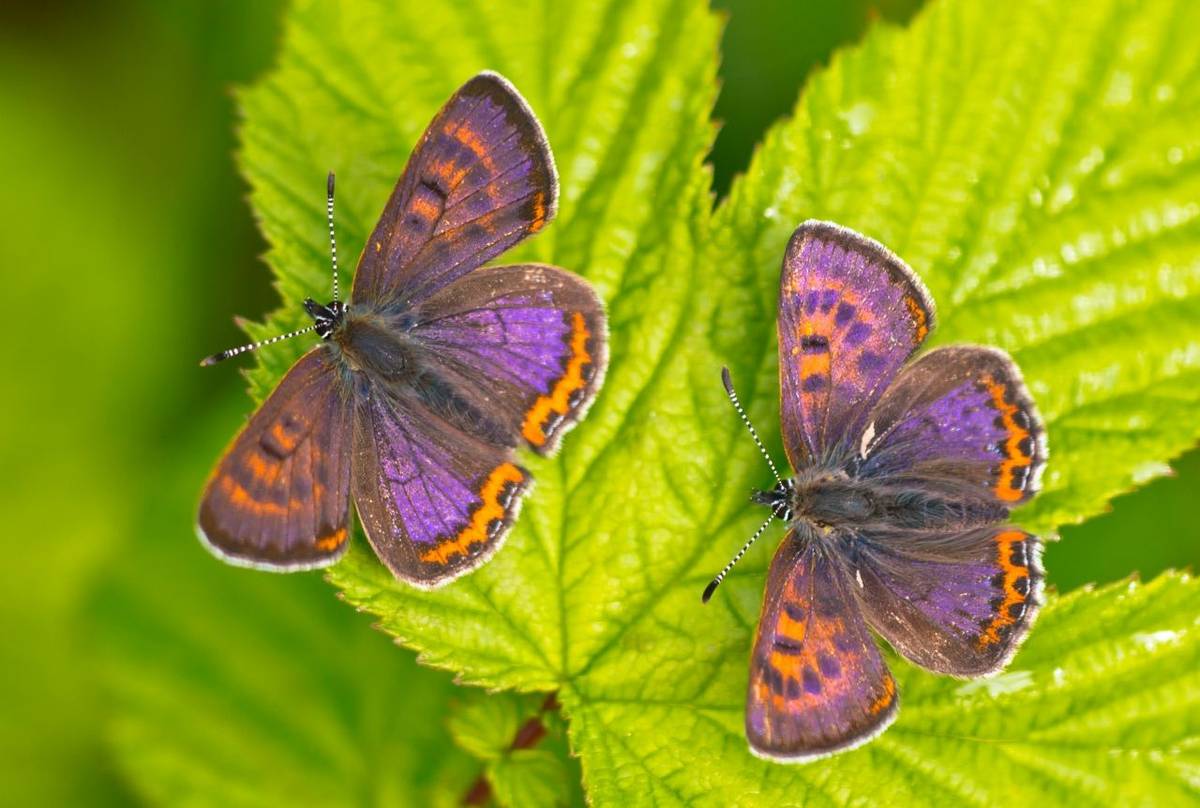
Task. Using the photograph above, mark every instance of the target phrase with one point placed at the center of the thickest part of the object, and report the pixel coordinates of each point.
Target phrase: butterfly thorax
(384, 355)
(367, 342)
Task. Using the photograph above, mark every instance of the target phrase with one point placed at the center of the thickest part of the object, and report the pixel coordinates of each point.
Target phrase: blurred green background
(128, 246)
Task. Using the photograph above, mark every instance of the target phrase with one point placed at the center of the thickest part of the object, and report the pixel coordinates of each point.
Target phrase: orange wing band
(920, 319)
(885, 698)
(1014, 571)
(333, 541)
(1016, 444)
(539, 212)
(558, 401)
(489, 510)
(243, 500)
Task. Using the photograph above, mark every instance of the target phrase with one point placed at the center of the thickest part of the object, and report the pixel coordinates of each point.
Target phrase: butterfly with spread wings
(425, 384)
(897, 515)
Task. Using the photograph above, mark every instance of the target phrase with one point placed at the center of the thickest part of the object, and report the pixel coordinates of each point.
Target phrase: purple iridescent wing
(958, 419)
(279, 497)
(954, 603)
(434, 501)
(480, 180)
(818, 684)
(850, 314)
(526, 344)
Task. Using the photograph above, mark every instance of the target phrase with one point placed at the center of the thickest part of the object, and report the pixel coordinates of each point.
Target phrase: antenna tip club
(329, 184)
(708, 590)
(727, 380)
(209, 361)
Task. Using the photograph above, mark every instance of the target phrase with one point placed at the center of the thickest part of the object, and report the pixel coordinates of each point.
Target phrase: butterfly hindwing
(961, 417)
(527, 343)
(480, 180)
(953, 603)
(818, 684)
(850, 314)
(435, 502)
(279, 497)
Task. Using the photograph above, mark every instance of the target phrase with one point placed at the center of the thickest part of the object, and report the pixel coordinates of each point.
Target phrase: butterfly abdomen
(918, 509)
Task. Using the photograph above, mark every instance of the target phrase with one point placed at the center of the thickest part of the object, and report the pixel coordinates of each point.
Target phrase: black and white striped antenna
(332, 237)
(253, 346)
(323, 322)
(777, 511)
(715, 582)
(727, 380)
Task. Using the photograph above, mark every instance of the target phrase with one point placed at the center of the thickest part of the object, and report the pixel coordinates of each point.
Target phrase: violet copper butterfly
(897, 513)
(427, 381)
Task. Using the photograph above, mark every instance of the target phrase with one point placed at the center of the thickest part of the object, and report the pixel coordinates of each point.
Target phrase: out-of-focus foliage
(124, 251)
(521, 743)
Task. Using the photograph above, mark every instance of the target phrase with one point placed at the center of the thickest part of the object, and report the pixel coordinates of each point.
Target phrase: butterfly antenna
(737, 405)
(715, 582)
(332, 237)
(253, 346)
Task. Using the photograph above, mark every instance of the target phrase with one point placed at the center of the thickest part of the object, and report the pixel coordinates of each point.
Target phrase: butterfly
(429, 378)
(897, 514)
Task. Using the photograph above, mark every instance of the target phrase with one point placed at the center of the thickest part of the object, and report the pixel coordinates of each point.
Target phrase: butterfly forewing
(435, 502)
(278, 498)
(818, 684)
(850, 314)
(480, 180)
(528, 344)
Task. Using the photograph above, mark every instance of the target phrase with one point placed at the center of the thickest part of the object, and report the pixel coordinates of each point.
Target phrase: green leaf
(485, 725)
(1101, 706)
(1036, 165)
(234, 688)
(528, 777)
(955, 143)
(522, 740)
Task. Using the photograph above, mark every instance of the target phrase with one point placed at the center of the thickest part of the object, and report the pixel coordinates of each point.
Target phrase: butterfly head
(779, 499)
(326, 319)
